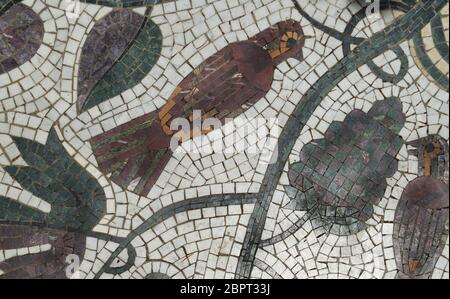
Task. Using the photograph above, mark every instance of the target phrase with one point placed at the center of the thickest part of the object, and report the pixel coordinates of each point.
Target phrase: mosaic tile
(430, 49)
(238, 75)
(341, 176)
(106, 43)
(382, 40)
(22, 33)
(379, 71)
(419, 227)
(108, 3)
(34, 252)
(77, 200)
(6, 4)
(344, 176)
(433, 155)
(131, 68)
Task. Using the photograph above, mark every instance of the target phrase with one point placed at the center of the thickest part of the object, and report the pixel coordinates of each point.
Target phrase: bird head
(284, 40)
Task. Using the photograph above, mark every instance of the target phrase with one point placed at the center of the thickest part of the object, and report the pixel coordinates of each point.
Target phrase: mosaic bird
(421, 218)
(223, 86)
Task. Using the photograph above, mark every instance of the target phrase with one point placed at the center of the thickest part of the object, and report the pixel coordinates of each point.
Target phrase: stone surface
(138, 51)
(21, 35)
(420, 227)
(44, 264)
(334, 164)
(76, 198)
(105, 45)
(233, 78)
(343, 175)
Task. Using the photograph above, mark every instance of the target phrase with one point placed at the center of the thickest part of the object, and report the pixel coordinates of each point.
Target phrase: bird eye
(291, 43)
(288, 41)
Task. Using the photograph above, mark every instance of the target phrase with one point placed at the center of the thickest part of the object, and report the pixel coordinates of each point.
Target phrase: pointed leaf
(119, 52)
(77, 199)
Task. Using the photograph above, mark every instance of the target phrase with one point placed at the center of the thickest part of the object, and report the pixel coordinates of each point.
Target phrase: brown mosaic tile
(29, 257)
(420, 227)
(350, 181)
(238, 75)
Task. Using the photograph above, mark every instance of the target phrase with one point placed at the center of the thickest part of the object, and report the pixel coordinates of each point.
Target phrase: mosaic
(22, 33)
(117, 71)
(168, 139)
(345, 174)
(238, 75)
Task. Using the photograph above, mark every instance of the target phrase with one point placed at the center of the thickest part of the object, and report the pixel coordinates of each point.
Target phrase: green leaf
(77, 199)
(130, 69)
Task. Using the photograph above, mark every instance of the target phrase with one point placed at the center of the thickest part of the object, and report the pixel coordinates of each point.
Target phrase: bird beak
(298, 55)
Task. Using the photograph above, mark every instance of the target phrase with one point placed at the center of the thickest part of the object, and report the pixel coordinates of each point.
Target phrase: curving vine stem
(411, 23)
